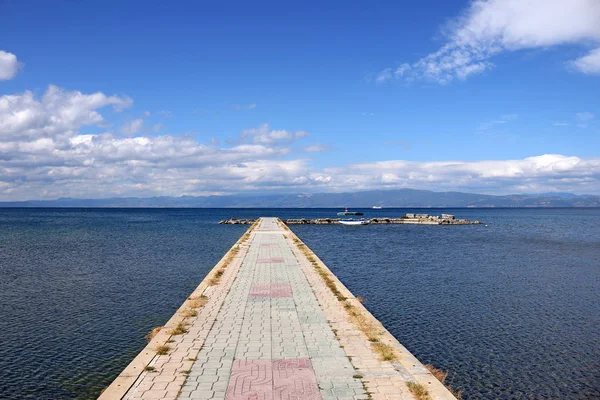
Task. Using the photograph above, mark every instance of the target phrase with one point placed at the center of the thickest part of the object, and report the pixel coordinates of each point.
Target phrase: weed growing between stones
(180, 329)
(190, 313)
(149, 368)
(357, 376)
(284, 226)
(162, 350)
(385, 351)
(197, 302)
(364, 385)
(216, 278)
(418, 390)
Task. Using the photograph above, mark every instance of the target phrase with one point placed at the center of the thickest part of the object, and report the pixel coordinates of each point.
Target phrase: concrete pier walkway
(266, 325)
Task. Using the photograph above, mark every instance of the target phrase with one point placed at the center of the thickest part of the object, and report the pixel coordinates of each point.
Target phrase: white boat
(354, 222)
(376, 207)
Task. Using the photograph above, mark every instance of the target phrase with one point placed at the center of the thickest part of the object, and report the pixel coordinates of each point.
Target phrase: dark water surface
(511, 309)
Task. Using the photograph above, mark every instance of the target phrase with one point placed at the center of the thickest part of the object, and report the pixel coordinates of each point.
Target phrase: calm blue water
(511, 309)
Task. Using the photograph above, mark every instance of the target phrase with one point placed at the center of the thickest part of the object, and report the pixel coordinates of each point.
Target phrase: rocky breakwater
(426, 219)
(415, 219)
(235, 221)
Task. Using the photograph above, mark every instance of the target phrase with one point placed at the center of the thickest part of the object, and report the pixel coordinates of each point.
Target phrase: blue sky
(153, 98)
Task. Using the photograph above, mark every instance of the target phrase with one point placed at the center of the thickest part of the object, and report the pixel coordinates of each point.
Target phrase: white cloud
(491, 27)
(500, 121)
(9, 66)
(267, 136)
(584, 116)
(132, 127)
(57, 114)
(384, 75)
(301, 134)
(588, 64)
(583, 119)
(546, 173)
(315, 149)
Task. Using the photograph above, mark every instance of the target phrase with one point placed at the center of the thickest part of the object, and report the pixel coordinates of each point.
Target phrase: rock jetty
(235, 221)
(416, 219)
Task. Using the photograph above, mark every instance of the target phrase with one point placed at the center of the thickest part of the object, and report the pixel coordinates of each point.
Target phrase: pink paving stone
(271, 290)
(250, 380)
(294, 379)
(270, 260)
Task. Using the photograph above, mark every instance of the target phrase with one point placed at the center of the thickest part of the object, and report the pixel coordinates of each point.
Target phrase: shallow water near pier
(509, 309)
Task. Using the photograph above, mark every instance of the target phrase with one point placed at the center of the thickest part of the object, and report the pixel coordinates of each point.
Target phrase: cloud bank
(491, 27)
(45, 154)
(549, 172)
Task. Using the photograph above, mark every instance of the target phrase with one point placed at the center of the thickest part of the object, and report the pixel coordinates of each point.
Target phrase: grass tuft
(418, 390)
(216, 278)
(162, 350)
(385, 351)
(438, 373)
(149, 368)
(150, 335)
(197, 302)
(441, 376)
(189, 313)
(180, 329)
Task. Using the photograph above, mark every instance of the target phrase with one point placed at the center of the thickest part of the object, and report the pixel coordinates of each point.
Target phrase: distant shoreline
(295, 208)
(398, 198)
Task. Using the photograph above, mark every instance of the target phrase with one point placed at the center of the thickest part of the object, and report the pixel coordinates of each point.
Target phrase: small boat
(342, 213)
(376, 207)
(354, 222)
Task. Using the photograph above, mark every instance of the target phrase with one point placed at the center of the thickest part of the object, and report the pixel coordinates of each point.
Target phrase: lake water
(511, 309)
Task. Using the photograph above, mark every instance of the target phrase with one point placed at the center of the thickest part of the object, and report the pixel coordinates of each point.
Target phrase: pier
(271, 322)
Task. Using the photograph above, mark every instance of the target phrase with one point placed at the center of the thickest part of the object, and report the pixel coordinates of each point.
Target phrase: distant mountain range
(384, 198)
